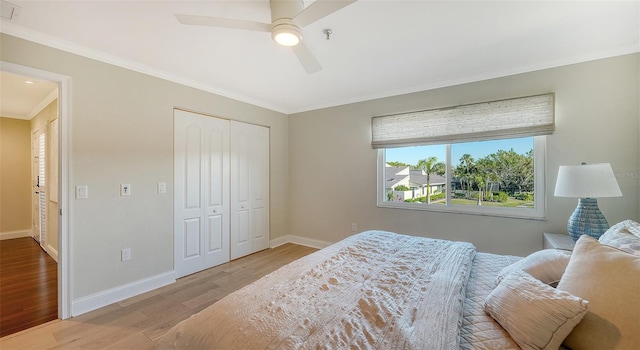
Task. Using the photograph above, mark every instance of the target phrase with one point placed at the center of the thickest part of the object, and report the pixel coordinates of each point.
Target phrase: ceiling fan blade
(306, 58)
(223, 22)
(320, 9)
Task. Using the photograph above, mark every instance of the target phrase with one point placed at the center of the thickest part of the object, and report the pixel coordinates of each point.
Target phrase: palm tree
(487, 169)
(430, 165)
(468, 164)
(481, 183)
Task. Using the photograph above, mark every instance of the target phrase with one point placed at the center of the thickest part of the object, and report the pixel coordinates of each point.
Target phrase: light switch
(125, 254)
(82, 191)
(162, 187)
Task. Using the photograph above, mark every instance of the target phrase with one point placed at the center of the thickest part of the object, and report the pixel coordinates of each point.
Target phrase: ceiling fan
(287, 19)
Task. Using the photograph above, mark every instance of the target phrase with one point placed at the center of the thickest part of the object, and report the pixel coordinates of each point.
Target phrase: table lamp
(587, 182)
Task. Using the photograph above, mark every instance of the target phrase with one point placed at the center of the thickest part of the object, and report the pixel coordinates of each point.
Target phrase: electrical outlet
(126, 254)
(354, 227)
(125, 189)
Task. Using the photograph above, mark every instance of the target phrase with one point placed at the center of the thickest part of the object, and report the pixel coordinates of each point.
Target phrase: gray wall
(323, 169)
(333, 167)
(122, 132)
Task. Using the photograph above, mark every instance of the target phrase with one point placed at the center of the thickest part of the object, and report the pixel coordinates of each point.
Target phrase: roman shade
(510, 118)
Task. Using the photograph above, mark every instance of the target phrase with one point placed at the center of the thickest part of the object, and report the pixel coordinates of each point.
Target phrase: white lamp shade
(587, 181)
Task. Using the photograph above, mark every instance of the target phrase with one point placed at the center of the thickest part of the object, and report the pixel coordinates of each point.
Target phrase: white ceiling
(23, 97)
(379, 48)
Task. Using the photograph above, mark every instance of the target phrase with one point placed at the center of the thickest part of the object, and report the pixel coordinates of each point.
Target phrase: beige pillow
(536, 315)
(610, 279)
(546, 265)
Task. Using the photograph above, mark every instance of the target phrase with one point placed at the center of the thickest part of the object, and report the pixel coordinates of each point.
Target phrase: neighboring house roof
(395, 175)
(419, 177)
(397, 170)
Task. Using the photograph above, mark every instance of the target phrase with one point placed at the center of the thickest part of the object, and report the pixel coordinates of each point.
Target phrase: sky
(411, 155)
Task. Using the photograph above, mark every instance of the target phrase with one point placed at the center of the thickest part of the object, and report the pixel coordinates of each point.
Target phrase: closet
(221, 190)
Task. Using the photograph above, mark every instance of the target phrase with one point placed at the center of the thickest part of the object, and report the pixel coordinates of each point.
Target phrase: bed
(373, 290)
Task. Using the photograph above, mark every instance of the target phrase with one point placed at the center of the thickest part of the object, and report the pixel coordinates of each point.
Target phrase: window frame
(540, 198)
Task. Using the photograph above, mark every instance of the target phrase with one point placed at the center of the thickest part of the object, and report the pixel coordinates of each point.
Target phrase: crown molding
(67, 46)
(52, 96)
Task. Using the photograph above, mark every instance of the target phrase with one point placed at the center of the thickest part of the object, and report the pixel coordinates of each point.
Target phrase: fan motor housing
(285, 10)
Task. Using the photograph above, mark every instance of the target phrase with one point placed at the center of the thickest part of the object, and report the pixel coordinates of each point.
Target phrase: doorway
(58, 178)
(29, 279)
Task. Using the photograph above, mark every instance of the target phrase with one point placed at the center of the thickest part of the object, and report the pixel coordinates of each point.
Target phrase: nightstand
(557, 241)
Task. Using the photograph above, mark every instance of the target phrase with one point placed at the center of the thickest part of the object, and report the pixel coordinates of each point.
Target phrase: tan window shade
(511, 118)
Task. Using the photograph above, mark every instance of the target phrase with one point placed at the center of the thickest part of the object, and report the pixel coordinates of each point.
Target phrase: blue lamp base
(587, 219)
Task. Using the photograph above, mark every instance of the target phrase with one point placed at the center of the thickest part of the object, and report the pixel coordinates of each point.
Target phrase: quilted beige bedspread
(479, 331)
(374, 290)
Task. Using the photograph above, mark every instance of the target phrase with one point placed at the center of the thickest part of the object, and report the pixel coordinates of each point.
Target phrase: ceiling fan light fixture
(286, 34)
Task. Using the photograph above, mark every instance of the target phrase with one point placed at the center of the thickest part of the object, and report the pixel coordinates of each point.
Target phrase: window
(498, 177)
(485, 159)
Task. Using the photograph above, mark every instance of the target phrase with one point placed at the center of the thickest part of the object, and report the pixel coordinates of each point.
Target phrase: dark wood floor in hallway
(28, 285)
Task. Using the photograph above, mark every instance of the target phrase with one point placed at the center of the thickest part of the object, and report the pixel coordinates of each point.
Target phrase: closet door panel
(240, 242)
(217, 191)
(192, 233)
(249, 189)
(193, 167)
(201, 197)
(216, 233)
(241, 141)
(260, 188)
(240, 190)
(188, 208)
(218, 159)
(216, 185)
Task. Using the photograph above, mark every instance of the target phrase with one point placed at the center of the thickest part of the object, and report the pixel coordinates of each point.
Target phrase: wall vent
(10, 11)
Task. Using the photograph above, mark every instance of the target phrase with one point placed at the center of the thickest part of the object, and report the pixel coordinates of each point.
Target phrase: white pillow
(536, 315)
(624, 236)
(546, 265)
(627, 226)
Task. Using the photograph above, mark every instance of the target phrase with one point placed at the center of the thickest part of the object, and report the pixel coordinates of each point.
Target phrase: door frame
(65, 277)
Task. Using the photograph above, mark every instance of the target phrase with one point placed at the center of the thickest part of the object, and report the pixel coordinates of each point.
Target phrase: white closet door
(249, 189)
(260, 189)
(201, 197)
(217, 192)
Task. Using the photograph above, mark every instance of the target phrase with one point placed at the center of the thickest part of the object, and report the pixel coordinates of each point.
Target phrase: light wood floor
(137, 322)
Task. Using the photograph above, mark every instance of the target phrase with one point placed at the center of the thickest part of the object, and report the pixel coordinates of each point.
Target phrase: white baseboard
(94, 301)
(15, 234)
(52, 252)
(307, 242)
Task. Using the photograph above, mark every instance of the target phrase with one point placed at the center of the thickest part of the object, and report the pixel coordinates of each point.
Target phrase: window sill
(468, 210)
